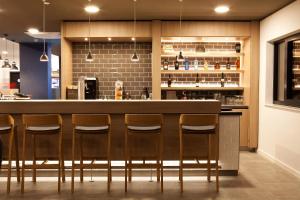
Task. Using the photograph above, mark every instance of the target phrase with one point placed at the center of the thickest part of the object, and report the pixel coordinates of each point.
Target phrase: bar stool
(7, 126)
(200, 124)
(95, 124)
(144, 125)
(39, 125)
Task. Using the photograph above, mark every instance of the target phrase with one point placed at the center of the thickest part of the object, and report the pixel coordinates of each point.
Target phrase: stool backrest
(143, 119)
(199, 119)
(42, 120)
(6, 120)
(91, 120)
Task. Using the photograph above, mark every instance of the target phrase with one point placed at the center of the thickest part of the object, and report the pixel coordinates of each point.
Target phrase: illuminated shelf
(203, 88)
(297, 71)
(203, 54)
(202, 71)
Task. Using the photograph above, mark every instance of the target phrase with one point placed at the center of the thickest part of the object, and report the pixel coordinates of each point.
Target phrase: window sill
(282, 107)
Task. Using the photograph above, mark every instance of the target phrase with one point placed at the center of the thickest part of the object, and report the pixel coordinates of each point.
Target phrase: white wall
(279, 127)
(10, 49)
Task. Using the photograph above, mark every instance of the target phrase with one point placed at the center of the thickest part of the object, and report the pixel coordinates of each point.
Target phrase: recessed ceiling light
(222, 9)
(109, 39)
(92, 9)
(86, 39)
(133, 39)
(33, 30)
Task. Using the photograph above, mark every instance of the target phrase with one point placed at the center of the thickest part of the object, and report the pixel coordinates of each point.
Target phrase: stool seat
(91, 128)
(5, 128)
(43, 128)
(144, 128)
(199, 128)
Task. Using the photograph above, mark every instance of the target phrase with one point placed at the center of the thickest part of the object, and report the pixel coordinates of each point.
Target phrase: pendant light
(180, 57)
(89, 56)
(44, 57)
(6, 61)
(135, 57)
(14, 64)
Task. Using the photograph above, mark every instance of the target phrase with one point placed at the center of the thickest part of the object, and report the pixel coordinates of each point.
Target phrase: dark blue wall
(35, 76)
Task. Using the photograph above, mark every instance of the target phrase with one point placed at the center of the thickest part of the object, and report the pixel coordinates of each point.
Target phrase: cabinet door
(244, 127)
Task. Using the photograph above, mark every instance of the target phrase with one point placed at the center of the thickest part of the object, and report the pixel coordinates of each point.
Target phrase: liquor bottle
(197, 81)
(186, 64)
(238, 47)
(205, 65)
(217, 65)
(184, 96)
(176, 64)
(238, 63)
(196, 64)
(169, 81)
(228, 64)
(222, 80)
(166, 64)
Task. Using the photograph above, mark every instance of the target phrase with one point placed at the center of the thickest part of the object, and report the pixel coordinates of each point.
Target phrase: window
(287, 71)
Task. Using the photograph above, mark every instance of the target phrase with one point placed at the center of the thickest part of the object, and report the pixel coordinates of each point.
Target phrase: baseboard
(279, 163)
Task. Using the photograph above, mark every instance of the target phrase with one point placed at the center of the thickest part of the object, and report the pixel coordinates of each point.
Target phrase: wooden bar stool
(7, 126)
(144, 125)
(42, 125)
(94, 124)
(200, 124)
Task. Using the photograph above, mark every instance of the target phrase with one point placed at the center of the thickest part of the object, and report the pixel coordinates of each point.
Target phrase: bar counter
(171, 109)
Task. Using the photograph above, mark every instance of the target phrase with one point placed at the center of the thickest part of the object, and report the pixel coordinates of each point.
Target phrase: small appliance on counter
(87, 88)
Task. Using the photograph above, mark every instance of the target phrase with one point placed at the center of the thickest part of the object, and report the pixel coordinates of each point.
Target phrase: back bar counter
(171, 110)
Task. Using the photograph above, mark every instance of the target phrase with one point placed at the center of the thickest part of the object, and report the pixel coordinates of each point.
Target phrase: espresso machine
(87, 88)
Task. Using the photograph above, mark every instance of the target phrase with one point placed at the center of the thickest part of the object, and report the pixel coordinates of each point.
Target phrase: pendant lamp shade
(180, 57)
(6, 64)
(44, 57)
(89, 57)
(135, 57)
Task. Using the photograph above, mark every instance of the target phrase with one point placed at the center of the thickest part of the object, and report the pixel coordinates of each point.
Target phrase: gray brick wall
(112, 62)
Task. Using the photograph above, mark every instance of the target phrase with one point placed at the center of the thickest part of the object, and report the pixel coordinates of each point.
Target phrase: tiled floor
(259, 179)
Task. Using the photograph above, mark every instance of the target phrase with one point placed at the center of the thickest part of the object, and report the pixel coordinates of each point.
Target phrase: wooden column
(156, 59)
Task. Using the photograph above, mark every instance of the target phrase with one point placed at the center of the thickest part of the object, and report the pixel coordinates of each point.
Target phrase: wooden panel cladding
(156, 59)
(107, 29)
(206, 28)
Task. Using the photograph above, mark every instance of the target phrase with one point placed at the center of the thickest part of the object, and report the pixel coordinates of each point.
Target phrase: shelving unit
(202, 88)
(202, 71)
(203, 54)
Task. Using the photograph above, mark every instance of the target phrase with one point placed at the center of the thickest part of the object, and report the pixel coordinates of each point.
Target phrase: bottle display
(186, 64)
(238, 47)
(118, 90)
(205, 65)
(169, 81)
(238, 63)
(166, 64)
(228, 64)
(176, 64)
(197, 81)
(196, 64)
(222, 80)
(217, 65)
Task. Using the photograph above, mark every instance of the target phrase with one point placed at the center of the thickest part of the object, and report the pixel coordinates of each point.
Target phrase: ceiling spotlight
(91, 9)
(4, 52)
(222, 9)
(109, 39)
(86, 39)
(133, 39)
(33, 31)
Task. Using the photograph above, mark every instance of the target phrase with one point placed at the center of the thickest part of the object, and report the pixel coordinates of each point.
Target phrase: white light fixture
(109, 39)
(44, 57)
(134, 57)
(222, 9)
(91, 9)
(180, 57)
(33, 31)
(86, 39)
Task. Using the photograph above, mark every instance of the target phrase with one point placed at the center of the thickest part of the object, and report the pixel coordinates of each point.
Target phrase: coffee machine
(87, 88)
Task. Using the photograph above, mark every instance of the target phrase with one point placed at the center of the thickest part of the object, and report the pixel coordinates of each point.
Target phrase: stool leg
(130, 170)
(73, 161)
(126, 157)
(217, 160)
(34, 159)
(208, 159)
(181, 160)
(23, 161)
(161, 164)
(157, 159)
(17, 154)
(81, 159)
(11, 139)
(59, 160)
(108, 164)
(63, 162)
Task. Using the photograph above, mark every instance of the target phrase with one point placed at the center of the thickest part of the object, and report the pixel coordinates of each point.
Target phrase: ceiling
(16, 16)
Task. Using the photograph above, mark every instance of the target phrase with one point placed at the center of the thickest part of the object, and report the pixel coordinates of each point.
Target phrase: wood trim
(156, 60)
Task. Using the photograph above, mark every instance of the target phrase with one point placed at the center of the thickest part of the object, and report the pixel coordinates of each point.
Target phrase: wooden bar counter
(171, 109)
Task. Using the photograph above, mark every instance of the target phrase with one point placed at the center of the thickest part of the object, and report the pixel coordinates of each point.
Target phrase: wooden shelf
(203, 88)
(204, 54)
(202, 71)
(296, 71)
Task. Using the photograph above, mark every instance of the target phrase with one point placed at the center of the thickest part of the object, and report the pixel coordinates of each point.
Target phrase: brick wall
(191, 47)
(112, 62)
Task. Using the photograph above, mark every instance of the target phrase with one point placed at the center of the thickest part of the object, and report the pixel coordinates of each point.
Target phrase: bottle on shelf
(196, 64)
(205, 65)
(228, 64)
(197, 81)
(222, 80)
(186, 64)
(217, 65)
(169, 81)
(184, 96)
(176, 64)
(166, 64)
(238, 63)
(238, 47)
